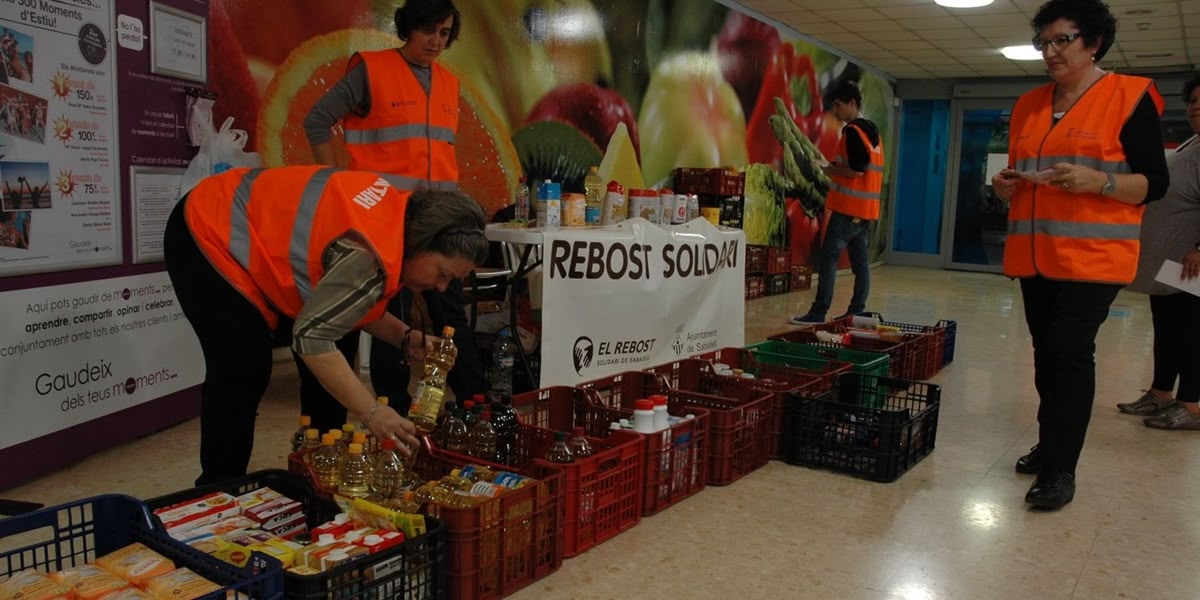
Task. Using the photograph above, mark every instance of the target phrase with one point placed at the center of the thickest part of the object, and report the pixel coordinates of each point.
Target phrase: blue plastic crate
(77, 533)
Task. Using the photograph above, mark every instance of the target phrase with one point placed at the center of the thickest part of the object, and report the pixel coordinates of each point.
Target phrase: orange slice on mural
(487, 161)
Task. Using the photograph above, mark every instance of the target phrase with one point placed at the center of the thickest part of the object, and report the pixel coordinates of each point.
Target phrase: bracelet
(370, 413)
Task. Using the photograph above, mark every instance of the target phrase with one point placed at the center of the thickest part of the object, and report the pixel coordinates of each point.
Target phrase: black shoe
(1030, 464)
(1052, 491)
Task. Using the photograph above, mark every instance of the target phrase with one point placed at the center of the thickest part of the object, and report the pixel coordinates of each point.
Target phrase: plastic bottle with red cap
(643, 416)
(661, 419)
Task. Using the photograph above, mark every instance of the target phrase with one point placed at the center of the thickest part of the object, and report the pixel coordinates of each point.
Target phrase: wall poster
(58, 159)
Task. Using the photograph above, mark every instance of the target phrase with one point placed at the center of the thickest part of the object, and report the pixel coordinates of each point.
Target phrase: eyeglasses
(1058, 42)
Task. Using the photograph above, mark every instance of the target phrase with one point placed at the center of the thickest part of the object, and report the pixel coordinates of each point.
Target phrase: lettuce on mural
(693, 83)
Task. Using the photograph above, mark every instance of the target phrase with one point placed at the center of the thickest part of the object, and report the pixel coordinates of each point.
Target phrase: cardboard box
(201, 511)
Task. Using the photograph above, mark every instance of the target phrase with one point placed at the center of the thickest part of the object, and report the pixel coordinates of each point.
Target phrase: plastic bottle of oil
(312, 441)
(326, 462)
(340, 442)
(481, 440)
(387, 472)
(504, 421)
(298, 436)
(355, 479)
(559, 452)
(593, 187)
(456, 433)
(428, 399)
(407, 503)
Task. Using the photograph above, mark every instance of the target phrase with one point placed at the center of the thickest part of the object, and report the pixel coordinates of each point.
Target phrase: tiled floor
(954, 527)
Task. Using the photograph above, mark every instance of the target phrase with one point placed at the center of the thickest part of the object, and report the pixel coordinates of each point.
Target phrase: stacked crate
(756, 272)
(716, 187)
(779, 271)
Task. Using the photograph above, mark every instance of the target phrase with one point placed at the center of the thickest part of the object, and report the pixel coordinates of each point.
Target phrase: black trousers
(390, 371)
(1176, 348)
(236, 343)
(1063, 319)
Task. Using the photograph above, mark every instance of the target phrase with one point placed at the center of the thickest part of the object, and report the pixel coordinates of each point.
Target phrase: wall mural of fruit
(649, 85)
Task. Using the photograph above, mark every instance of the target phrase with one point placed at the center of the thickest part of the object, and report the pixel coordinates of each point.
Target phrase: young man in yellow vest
(853, 202)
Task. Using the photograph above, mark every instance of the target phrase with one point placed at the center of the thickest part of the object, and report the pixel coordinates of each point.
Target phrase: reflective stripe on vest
(302, 230)
(407, 132)
(1074, 229)
(1064, 234)
(399, 133)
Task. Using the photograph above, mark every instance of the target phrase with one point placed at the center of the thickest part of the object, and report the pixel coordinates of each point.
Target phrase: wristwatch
(1109, 186)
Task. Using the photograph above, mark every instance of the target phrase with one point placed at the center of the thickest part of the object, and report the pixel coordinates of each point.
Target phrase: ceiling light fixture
(962, 3)
(1026, 52)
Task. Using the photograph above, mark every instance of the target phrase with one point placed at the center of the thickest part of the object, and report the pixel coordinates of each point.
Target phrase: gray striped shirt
(353, 283)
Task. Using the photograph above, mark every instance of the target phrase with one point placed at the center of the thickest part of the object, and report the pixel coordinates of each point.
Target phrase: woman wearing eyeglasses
(1085, 155)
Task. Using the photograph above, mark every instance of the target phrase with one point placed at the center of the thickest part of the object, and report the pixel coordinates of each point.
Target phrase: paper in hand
(1171, 273)
(1039, 177)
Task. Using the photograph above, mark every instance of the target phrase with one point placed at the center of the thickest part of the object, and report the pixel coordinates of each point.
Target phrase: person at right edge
(1171, 231)
(1085, 154)
(399, 109)
(857, 179)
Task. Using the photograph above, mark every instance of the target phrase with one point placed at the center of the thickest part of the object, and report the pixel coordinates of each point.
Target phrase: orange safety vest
(1063, 234)
(406, 134)
(857, 196)
(265, 230)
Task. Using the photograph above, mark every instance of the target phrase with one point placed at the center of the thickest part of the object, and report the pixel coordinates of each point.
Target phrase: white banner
(636, 295)
(72, 353)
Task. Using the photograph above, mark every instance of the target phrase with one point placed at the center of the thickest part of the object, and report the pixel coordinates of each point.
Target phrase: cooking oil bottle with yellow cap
(428, 399)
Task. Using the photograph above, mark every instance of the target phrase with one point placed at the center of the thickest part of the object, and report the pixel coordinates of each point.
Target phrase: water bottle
(522, 202)
(502, 365)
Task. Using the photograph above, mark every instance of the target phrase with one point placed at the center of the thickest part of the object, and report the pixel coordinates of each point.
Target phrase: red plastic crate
(932, 344)
(602, 494)
(496, 547)
(904, 355)
(739, 424)
(783, 383)
(502, 545)
(756, 287)
(801, 278)
(740, 358)
(756, 259)
(779, 261)
(726, 182)
(676, 460)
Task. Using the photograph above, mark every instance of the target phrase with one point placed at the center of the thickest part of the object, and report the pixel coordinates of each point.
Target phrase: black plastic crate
(868, 426)
(77, 533)
(951, 328)
(414, 569)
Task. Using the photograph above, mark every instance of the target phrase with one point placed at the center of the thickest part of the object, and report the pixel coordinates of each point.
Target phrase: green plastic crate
(809, 356)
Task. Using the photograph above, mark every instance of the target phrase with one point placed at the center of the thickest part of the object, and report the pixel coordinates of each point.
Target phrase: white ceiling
(917, 39)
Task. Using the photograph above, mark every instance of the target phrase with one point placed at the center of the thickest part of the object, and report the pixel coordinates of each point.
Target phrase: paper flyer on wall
(58, 161)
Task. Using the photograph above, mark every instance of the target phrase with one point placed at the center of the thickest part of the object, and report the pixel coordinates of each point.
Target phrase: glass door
(978, 219)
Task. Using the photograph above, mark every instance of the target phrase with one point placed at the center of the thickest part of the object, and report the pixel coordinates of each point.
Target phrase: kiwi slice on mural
(556, 151)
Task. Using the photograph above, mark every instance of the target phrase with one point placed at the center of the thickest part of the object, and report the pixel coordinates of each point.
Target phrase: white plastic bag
(219, 151)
